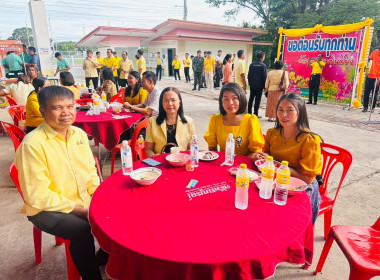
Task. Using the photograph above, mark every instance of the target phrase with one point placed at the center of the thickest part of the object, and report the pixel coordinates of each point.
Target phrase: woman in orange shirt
(227, 69)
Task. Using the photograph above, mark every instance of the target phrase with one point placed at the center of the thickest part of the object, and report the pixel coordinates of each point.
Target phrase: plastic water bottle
(96, 102)
(194, 150)
(230, 150)
(91, 87)
(242, 185)
(267, 175)
(141, 142)
(126, 158)
(104, 97)
(282, 183)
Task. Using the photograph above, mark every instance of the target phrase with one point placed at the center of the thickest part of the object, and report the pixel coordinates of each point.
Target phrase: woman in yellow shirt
(246, 128)
(134, 94)
(171, 127)
(67, 80)
(33, 117)
(292, 140)
(109, 86)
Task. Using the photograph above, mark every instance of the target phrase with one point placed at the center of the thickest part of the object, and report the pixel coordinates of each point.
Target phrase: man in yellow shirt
(57, 193)
(100, 65)
(111, 62)
(186, 67)
(176, 66)
(118, 59)
(125, 66)
(209, 70)
(141, 68)
(240, 76)
(315, 78)
(159, 66)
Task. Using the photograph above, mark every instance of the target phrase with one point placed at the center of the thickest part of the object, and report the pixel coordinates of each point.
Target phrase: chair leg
(72, 271)
(325, 252)
(59, 241)
(328, 218)
(113, 161)
(37, 238)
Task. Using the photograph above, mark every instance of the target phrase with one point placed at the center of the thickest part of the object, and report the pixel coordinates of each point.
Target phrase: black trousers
(204, 81)
(78, 231)
(255, 94)
(187, 73)
(176, 72)
(370, 86)
(123, 83)
(314, 82)
(101, 80)
(158, 72)
(94, 82)
(116, 82)
(219, 75)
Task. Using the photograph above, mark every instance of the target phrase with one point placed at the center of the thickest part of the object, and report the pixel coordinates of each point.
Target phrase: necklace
(170, 128)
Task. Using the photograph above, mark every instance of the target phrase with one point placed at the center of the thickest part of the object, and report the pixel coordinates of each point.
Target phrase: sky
(71, 19)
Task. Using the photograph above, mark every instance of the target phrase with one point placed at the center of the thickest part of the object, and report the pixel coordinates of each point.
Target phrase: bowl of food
(260, 163)
(116, 107)
(146, 176)
(178, 159)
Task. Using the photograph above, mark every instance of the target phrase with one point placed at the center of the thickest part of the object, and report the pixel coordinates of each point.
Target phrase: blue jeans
(315, 198)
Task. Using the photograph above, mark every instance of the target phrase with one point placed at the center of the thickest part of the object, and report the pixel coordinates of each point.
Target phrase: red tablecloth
(104, 128)
(165, 231)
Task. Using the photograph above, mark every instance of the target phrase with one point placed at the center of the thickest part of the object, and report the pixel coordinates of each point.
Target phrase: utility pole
(27, 34)
(184, 9)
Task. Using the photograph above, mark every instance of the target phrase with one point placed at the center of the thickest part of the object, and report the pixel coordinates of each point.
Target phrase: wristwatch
(130, 107)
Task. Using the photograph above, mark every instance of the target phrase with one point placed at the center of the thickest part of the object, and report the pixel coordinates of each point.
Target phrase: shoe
(315, 103)
(194, 88)
(101, 257)
(309, 102)
(199, 89)
(365, 110)
(259, 117)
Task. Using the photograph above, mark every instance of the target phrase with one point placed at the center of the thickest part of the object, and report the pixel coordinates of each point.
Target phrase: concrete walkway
(357, 202)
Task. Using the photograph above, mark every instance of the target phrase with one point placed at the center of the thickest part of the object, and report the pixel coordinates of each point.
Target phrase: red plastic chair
(118, 97)
(122, 90)
(360, 245)
(331, 155)
(17, 113)
(97, 165)
(83, 101)
(2, 130)
(16, 134)
(137, 153)
(11, 101)
(37, 234)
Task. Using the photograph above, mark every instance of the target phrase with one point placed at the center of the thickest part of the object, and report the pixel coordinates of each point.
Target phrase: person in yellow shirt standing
(100, 65)
(315, 78)
(125, 67)
(209, 70)
(159, 66)
(240, 75)
(118, 59)
(111, 62)
(141, 67)
(57, 193)
(176, 66)
(89, 66)
(186, 67)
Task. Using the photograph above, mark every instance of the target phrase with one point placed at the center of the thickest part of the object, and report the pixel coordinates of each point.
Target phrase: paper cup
(174, 150)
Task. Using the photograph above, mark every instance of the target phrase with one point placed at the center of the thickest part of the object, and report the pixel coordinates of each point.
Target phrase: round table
(166, 231)
(104, 128)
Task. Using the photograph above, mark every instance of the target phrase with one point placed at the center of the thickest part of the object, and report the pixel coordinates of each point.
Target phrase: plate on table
(207, 155)
(260, 162)
(253, 175)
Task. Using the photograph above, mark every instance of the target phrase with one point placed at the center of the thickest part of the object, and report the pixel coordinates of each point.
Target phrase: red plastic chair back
(98, 169)
(331, 155)
(17, 113)
(118, 97)
(11, 101)
(83, 101)
(16, 134)
(13, 173)
(122, 90)
(137, 152)
(376, 226)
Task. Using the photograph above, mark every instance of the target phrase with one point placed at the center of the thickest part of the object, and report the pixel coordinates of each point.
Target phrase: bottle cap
(269, 158)
(125, 143)
(284, 162)
(243, 166)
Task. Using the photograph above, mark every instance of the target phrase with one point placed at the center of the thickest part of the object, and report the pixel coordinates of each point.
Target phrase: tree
(68, 46)
(23, 34)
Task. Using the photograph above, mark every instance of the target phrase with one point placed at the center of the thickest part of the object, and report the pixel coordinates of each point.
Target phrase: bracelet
(130, 107)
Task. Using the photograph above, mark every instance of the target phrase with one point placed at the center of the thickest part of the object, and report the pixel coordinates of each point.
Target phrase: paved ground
(357, 203)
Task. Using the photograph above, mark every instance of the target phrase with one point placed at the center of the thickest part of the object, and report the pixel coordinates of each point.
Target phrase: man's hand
(126, 105)
(80, 212)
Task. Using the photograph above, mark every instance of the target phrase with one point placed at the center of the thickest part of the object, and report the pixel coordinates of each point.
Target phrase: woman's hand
(126, 105)
(259, 155)
(149, 149)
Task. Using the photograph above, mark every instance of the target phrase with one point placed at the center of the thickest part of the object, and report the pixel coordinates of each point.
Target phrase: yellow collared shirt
(316, 68)
(125, 65)
(176, 64)
(33, 117)
(186, 62)
(100, 61)
(142, 65)
(109, 62)
(55, 175)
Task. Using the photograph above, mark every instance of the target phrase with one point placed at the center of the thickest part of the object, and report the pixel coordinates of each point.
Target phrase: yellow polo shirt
(109, 62)
(159, 61)
(33, 117)
(49, 184)
(126, 65)
(187, 62)
(209, 63)
(316, 68)
(141, 65)
(90, 70)
(176, 64)
(100, 61)
(118, 59)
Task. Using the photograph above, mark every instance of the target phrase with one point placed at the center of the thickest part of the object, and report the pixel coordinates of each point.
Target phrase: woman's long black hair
(303, 120)
(108, 74)
(161, 111)
(128, 90)
(38, 83)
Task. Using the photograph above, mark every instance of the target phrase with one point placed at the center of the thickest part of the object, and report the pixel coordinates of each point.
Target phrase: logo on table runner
(222, 187)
